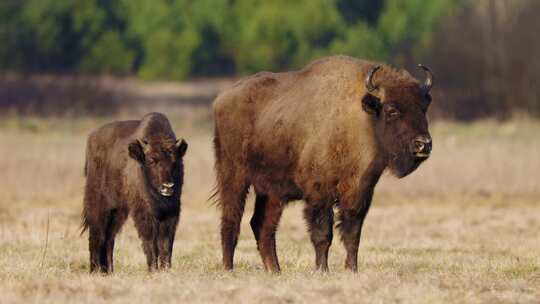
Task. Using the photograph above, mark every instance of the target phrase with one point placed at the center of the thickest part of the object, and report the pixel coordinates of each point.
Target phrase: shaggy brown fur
(316, 134)
(133, 166)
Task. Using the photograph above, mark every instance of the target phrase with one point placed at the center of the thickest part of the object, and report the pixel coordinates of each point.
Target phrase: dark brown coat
(318, 134)
(133, 166)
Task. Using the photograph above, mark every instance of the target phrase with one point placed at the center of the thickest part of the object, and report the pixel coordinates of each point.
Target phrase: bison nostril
(419, 146)
(422, 143)
(166, 189)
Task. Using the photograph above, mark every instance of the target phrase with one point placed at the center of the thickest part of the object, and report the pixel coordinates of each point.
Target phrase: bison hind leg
(232, 208)
(97, 248)
(116, 219)
(101, 239)
(232, 191)
(258, 216)
(264, 223)
(232, 188)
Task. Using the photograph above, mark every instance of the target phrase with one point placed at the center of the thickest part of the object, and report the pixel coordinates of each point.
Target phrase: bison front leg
(150, 251)
(351, 222)
(167, 231)
(148, 231)
(320, 222)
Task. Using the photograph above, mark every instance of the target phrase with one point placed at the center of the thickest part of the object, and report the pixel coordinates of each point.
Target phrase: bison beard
(323, 134)
(402, 163)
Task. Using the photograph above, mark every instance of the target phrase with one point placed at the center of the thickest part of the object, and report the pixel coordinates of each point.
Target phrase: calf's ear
(371, 104)
(427, 99)
(181, 147)
(136, 151)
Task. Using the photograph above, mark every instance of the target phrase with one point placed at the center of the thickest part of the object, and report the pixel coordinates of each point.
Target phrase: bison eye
(152, 161)
(392, 113)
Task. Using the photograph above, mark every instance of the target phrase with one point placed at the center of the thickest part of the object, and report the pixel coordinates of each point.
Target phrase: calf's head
(161, 163)
(401, 126)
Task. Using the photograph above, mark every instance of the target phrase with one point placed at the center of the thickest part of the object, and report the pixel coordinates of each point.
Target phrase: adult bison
(133, 166)
(323, 134)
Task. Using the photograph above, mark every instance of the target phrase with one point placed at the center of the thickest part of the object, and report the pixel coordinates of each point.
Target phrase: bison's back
(106, 161)
(108, 140)
(298, 100)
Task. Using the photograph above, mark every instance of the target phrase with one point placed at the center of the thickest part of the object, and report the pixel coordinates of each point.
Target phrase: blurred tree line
(482, 51)
(173, 39)
(486, 58)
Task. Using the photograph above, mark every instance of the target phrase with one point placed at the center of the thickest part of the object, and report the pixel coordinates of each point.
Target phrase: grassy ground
(463, 228)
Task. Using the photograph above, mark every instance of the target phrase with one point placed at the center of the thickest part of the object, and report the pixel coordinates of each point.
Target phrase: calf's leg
(147, 227)
(117, 218)
(97, 248)
(95, 220)
(320, 221)
(167, 231)
(150, 250)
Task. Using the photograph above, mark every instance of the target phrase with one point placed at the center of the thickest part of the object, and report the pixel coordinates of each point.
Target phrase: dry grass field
(464, 228)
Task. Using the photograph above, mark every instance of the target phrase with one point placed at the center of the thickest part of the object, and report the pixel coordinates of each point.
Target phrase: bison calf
(133, 166)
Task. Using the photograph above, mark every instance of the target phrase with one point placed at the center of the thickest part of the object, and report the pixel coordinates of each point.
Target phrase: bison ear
(371, 104)
(181, 147)
(136, 151)
(427, 98)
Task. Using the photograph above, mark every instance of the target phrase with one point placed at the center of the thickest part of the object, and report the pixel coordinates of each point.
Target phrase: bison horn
(369, 79)
(143, 143)
(429, 78)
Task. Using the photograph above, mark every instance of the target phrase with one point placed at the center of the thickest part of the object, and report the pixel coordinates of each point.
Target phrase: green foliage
(410, 24)
(108, 54)
(174, 39)
(64, 35)
(282, 33)
(361, 41)
(214, 23)
(360, 10)
(166, 35)
(10, 26)
(103, 48)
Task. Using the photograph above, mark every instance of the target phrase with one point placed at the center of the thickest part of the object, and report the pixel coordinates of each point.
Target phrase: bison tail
(84, 217)
(213, 198)
(84, 222)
